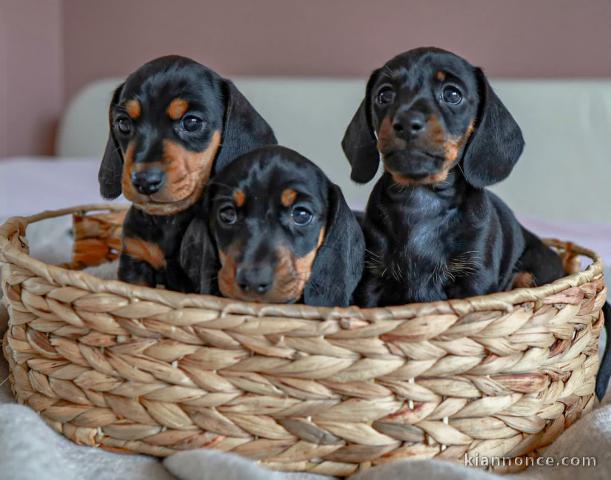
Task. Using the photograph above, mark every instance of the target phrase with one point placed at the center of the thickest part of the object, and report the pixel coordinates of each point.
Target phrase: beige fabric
(565, 124)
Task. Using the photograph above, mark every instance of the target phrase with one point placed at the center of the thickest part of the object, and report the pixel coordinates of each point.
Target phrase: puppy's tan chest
(145, 251)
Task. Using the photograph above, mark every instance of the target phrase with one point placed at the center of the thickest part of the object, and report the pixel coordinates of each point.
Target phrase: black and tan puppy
(273, 228)
(432, 230)
(173, 123)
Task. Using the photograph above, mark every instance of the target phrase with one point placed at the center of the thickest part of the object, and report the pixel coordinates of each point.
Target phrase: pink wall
(31, 75)
(49, 49)
(520, 38)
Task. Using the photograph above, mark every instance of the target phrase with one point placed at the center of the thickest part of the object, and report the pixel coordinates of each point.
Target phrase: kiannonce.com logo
(484, 462)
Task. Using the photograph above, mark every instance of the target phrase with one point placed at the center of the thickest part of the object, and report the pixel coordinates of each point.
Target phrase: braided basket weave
(324, 390)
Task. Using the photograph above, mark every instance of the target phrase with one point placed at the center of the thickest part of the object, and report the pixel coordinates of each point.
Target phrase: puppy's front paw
(523, 280)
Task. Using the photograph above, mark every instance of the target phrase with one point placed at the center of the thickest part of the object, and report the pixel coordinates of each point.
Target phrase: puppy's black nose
(255, 279)
(148, 181)
(409, 122)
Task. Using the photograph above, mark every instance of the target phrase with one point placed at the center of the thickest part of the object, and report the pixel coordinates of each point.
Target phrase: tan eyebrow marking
(440, 75)
(288, 197)
(133, 109)
(177, 108)
(239, 198)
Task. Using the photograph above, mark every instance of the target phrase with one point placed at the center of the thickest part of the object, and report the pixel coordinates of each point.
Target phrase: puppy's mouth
(185, 172)
(432, 179)
(290, 276)
(416, 167)
(283, 290)
(423, 161)
(273, 297)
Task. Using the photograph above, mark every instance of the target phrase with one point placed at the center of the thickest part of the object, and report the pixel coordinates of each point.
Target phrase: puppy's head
(282, 230)
(172, 123)
(426, 111)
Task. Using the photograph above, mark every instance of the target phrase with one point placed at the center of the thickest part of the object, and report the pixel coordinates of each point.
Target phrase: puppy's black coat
(604, 371)
(173, 124)
(273, 228)
(432, 230)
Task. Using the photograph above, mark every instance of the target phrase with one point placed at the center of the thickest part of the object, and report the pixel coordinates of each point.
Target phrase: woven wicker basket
(324, 390)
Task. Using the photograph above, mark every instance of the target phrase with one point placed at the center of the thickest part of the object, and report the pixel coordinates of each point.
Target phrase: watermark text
(506, 462)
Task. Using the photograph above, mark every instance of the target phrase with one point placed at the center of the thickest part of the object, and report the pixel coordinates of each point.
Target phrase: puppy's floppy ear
(111, 168)
(338, 265)
(243, 128)
(198, 256)
(496, 144)
(359, 142)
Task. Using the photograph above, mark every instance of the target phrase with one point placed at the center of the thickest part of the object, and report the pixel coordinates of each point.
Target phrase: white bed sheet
(32, 184)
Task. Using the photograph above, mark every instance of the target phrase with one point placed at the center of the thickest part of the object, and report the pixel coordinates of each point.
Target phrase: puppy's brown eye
(228, 215)
(452, 95)
(301, 216)
(385, 95)
(191, 123)
(124, 125)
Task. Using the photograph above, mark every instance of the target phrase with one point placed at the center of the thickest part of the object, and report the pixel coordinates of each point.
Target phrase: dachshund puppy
(173, 123)
(432, 230)
(273, 228)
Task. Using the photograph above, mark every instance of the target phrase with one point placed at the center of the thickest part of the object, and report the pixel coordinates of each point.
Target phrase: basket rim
(80, 279)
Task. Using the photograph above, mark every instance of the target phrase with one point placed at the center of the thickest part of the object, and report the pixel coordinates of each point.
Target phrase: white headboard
(564, 174)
